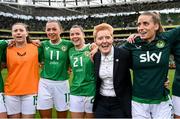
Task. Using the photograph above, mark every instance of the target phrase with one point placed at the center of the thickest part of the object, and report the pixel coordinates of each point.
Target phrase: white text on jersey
(150, 57)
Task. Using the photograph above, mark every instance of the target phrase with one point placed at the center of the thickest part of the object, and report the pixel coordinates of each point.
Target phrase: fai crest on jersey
(160, 44)
(64, 48)
(87, 53)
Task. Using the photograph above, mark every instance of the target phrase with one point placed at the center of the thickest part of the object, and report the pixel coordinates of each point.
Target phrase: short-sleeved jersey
(176, 83)
(150, 66)
(23, 70)
(83, 83)
(3, 45)
(56, 60)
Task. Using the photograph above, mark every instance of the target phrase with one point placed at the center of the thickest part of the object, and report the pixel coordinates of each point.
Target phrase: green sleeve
(173, 35)
(69, 43)
(3, 58)
(3, 44)
(40, 53)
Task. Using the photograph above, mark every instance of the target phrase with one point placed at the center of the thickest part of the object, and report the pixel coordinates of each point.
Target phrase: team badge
(63, 48)
(87, 53)
(160, 44)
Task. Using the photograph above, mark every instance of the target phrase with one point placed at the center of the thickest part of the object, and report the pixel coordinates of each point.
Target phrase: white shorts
(2, 104)
(81, 103)
(25, 104)
(53, 93)
(164, 110)
(176, 104)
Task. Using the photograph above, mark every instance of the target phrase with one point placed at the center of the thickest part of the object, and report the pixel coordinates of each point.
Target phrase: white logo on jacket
(150, 57)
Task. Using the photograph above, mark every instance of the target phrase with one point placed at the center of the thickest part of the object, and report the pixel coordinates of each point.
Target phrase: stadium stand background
(121, 14)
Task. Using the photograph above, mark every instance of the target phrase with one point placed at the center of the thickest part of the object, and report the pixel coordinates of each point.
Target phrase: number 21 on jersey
(77, 62)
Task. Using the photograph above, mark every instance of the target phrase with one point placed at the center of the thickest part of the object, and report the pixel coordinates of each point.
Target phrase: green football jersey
(56, 60)
(83, 83)
(3, 45)
(150, 66)
(176, 83)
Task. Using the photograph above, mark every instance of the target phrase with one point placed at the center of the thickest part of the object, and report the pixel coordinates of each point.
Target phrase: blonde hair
(102, 26)
(156, 19)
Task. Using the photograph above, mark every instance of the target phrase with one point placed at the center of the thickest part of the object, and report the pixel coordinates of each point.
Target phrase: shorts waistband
(52, 81)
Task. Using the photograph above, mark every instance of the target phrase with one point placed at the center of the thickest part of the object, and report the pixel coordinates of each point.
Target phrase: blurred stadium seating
(121, 14)
(118, 13)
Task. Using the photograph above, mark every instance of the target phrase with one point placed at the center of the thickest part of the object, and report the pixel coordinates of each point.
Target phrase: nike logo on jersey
(150, 57)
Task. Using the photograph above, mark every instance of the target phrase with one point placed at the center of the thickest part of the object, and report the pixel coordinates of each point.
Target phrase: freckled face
(104, 40)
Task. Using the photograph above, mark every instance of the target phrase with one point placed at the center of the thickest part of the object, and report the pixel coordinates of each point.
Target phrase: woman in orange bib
(21, 84)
